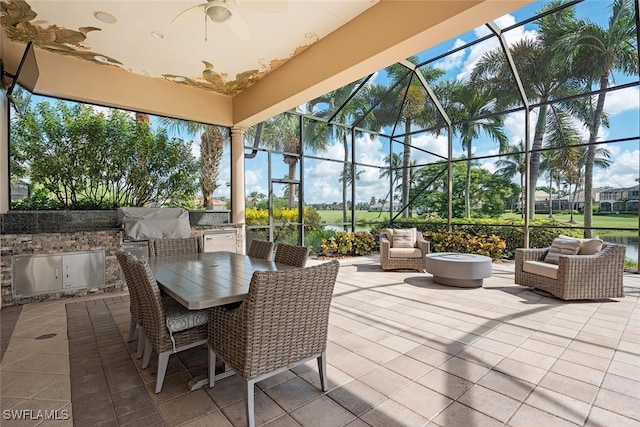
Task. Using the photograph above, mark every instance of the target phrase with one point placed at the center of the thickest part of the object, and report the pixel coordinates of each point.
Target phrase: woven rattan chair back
(283, 321)
(169, 247)
(261, 249)
(291, 254)
(154, 323)
(134, 300)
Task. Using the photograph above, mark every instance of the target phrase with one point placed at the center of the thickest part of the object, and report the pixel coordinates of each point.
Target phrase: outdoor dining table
(208, 279)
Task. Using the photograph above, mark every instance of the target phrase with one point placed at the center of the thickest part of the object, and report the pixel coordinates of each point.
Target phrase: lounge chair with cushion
(573, 269)
(403, 249)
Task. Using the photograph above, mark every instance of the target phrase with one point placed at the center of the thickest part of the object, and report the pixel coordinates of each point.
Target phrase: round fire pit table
(456, 269)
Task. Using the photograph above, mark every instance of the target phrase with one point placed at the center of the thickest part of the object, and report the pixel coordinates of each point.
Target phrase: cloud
(622, 100)
(626, 169)
(477, 50)
(453, 60)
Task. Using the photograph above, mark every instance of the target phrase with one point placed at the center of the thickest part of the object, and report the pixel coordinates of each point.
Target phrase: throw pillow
(562, 247)
(404, 238)
(589, 246)
(390, 236)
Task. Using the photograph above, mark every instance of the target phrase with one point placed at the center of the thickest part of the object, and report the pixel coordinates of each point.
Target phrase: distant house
(384, 207)
(219, 205)
(620, 193)
(20, 190)
(619, 199)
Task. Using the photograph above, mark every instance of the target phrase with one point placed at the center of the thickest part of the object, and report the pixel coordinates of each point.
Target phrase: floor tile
(401, 351)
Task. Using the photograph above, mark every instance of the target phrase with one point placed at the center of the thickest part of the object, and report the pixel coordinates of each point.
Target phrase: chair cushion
(390, 235)
(541, 269)
(404, 238)
(405, 253)
(179, 318)
(562, 247)
(588, 247)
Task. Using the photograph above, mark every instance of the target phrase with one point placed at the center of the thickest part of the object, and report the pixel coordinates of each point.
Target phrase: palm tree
(394, 172)
(469, 102)
(406, 104)
(551, 163)
(511, 163)
(212, 142)
(597, 53)
(282, 133)
(334, 107)
(544, 75)
(347, 176)
(602, 160)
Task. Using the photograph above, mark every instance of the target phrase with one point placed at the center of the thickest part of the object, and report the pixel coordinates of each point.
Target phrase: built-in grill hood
(154, 223)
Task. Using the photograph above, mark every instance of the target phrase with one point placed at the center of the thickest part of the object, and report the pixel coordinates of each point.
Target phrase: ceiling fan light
(218, 13)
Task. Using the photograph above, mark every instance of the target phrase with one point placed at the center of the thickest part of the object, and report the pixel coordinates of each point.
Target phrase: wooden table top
(208, 279)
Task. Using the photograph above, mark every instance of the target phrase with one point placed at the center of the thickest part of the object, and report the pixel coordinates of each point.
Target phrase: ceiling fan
(227, 11)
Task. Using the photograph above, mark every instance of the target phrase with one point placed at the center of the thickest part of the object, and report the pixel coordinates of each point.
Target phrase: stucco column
(4, 153)
(237, 181)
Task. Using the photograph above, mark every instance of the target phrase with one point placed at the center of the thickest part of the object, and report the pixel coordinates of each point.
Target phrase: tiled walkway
(402, 351)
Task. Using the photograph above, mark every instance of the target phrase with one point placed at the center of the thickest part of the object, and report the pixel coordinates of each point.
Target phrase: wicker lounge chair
(261, 249)
(169, 247)
(291, 254)
(168, 327)
(393, 257)
(596, 276)
(282, 322)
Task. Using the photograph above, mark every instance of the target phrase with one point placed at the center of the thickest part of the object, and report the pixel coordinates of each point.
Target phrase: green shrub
(344, 243)
(511, 231)
(314, 239)
(460, 241)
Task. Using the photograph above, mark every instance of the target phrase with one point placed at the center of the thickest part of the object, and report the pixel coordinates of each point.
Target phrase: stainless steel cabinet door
(36, 274)
(83, 270)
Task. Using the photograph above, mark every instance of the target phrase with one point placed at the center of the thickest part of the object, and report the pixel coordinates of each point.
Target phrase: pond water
(631, 242)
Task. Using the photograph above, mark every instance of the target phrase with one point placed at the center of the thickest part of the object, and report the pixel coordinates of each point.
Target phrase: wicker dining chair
(282, 322)
(169, 247)
(261, 249)
(291, 254)
(134, 302)
(168, 327)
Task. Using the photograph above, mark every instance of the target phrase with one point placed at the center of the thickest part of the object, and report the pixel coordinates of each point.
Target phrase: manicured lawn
(603, 221)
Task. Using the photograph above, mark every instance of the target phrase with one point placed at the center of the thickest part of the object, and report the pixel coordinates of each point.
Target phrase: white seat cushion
(179, 318)
(541, 269)
(562, 247)
(405, 253)
(404, 238)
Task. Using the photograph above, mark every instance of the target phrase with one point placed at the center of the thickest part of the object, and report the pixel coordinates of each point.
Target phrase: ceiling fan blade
(189, 15)
(239, 26)
(274, 6)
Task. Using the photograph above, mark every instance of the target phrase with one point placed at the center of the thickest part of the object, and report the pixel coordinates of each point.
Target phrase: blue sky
(322, 184)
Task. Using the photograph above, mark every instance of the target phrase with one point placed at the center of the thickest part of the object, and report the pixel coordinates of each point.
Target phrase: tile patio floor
(402, 351)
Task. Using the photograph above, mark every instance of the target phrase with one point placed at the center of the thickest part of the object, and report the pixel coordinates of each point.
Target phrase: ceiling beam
(382, 35)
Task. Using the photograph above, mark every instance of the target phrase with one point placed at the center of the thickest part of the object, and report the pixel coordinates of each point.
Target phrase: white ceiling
(291, 56)
(133, 41)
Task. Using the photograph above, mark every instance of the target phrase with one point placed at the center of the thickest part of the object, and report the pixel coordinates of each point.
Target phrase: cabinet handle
(56, 272)
(67, 271)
